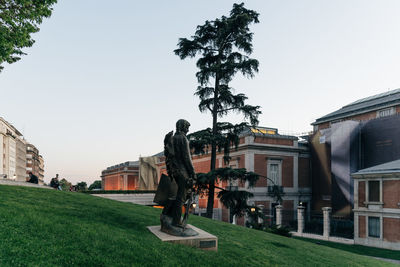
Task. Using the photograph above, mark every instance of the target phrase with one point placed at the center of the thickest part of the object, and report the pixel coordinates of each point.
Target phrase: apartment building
(21, 160)
(33, 161)
(41, 169)
(8, 149)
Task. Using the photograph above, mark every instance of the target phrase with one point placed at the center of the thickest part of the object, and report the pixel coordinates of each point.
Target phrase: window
(374, 227)
(373, 191)
(274, 171)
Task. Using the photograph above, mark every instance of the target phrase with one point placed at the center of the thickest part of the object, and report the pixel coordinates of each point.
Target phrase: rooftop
(389, 167)
(125, 164)
(266, 132)
(371, 103)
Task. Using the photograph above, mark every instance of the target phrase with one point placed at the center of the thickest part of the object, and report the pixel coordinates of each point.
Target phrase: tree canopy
(223, 46)
(81, 186)
(95, 185)
(18, 20)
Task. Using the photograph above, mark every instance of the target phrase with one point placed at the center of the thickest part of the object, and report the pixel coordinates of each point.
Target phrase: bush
(283, 230)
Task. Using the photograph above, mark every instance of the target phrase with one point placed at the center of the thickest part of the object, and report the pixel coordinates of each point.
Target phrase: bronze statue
(177, 189)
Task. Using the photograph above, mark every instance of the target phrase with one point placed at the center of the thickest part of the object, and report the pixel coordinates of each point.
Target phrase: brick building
(376, 106)
(360, 135)
(133, 175)
(377, 206)
(124, 176)
(263, 151)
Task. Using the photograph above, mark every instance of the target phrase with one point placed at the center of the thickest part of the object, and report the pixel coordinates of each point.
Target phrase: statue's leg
(180, 199)
(168, 207)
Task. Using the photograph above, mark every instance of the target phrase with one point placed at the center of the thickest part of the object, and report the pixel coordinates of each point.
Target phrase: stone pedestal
(203, 240)
(327, 220)
(278, 215)
(300, 219)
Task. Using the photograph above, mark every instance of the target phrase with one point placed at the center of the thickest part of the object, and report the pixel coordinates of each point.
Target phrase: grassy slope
(357, 249)
(44, 227)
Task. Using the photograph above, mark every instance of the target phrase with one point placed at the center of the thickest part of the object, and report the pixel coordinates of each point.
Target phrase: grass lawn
(357, 249)
(40, 227)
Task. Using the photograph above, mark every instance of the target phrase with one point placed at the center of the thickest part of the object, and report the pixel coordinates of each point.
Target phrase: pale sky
(102, 85)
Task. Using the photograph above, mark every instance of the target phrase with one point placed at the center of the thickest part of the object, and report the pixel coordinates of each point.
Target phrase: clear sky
(102, 86)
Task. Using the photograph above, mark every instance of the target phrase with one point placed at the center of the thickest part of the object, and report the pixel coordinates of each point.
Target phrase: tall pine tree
(224, 46)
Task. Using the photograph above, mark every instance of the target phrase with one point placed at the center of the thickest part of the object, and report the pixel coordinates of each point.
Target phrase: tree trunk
(211, 185)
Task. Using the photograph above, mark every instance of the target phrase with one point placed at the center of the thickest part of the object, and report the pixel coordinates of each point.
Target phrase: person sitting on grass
(55, 183)
(33, 178)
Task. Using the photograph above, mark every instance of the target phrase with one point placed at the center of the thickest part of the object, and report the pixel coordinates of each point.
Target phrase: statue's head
(182, 126)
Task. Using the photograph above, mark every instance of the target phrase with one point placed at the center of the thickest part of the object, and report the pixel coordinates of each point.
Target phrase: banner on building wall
(148, 174)
(320, 148)
(380, 141)
(344, 148)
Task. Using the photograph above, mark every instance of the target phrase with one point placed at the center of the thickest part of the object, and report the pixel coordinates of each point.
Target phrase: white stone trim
(296, 172)
(389, 213)
(274, 153)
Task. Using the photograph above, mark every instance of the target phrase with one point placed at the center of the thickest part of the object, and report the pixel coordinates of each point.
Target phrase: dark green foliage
(235, 200)
(81, 186)
(18, 20)
(65, 185)
(225, 137)
(254, 213)
(41, 227)
(95, 185)
(224, 46)
(276, 193)
(241, 174)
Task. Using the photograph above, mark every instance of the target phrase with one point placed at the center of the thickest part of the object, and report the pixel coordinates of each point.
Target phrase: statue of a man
(181, 173)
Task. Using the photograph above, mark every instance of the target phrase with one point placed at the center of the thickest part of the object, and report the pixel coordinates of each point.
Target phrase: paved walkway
(320, 237)
(145, 199)
(21, 183)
